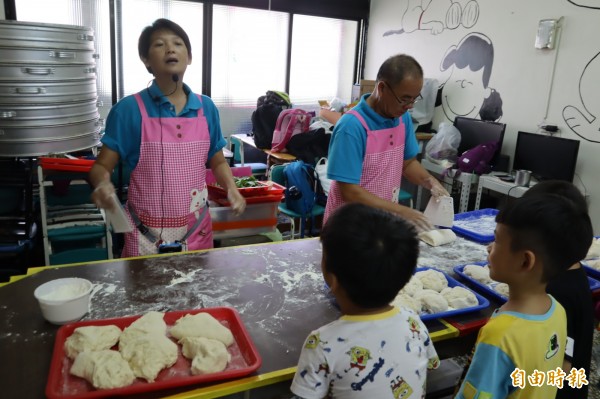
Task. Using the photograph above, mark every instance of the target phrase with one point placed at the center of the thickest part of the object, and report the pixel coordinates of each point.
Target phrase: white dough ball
(148, 354)
(459, 297)
(502, 289)
(91, 338)
(103, 369)
(404, 300)
(201, 325)
(413, 285)
(479, 273)
(433, 302)
(432, 279)
(208, 355)
(594, 264)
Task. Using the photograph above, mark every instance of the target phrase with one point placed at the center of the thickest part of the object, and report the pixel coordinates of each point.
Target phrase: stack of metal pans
(48, 97)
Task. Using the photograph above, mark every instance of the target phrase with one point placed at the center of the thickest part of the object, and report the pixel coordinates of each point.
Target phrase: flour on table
(103, 369)
(201, 325)
(208, 355)
(91, 338)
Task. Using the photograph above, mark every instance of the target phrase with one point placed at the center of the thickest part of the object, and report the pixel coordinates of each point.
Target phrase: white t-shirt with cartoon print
(386, 355)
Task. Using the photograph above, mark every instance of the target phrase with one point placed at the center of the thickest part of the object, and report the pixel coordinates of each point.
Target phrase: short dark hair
(160, 24)
(371, 252)
(560, 187)
(398, 67)
(551, 226)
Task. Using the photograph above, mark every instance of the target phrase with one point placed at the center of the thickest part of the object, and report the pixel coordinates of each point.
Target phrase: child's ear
(528, 261)
(333, 282)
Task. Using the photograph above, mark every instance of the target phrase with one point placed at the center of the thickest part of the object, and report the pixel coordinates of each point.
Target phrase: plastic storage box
(476, 225)
(256, 219)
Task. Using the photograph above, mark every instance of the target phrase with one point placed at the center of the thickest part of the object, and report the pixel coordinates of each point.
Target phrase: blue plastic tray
(476, 225)
(488, 288)
(482, 301)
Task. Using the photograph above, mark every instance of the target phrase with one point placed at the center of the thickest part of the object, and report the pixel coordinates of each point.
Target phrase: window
(322, 59)
(249, 57)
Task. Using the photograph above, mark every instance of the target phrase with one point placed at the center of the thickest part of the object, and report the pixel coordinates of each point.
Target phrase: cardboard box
(366, 86)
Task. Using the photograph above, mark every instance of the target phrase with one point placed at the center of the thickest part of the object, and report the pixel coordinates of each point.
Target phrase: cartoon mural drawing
(466, 92)
(586, 126)
(586, 3)
(437, 15)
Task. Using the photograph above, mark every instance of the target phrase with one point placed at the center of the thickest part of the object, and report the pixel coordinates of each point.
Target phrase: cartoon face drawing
(466, 91)
(312, 341)
(359, 357)
(400, 388)
(584, 122)
(199, 198)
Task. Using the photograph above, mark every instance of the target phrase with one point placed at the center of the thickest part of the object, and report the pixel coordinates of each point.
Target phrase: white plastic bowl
(64, 300)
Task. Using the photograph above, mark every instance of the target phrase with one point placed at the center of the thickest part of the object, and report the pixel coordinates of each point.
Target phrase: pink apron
(167, 189)
(382, 165)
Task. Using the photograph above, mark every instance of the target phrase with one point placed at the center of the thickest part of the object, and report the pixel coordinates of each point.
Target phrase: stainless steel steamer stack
(48, 97)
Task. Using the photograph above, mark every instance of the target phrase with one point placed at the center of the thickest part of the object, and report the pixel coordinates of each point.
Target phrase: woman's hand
(102, 195)
(237, 201)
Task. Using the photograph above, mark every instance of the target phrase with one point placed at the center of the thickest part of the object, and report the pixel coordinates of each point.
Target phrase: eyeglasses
(404, 103)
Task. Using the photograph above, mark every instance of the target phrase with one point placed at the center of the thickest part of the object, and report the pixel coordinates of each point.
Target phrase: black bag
(310, 146)
(264, 118)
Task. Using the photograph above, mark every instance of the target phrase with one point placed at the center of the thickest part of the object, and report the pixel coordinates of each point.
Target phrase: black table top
(277, 288)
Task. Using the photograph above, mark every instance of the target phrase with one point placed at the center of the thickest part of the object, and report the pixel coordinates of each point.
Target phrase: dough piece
(403, 300)
(91, 338)
(438, 237)
(412, 287)
(148, 354)
(432, 279)
(150, 323)
(104, 369)
(594, 264)
(432, 301)
(459, 297)
(208, 355)
(201, 325)
(502, 289)
(594, 251)
(479, 273)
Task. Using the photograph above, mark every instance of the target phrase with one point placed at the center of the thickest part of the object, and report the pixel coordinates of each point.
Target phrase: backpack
(264, 118)
(290, 122)
(310, 146)
(477, 159)
(303, 191)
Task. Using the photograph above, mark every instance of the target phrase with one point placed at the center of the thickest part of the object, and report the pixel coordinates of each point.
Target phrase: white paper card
(117, 217)
(440, 211)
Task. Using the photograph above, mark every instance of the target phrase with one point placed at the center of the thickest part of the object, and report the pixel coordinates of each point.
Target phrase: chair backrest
(276, 174)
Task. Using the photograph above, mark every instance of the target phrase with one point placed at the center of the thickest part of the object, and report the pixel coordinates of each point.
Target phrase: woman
(167, 140)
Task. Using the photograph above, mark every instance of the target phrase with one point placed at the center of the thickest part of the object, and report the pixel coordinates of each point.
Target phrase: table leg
(478, 196)
(464, 197)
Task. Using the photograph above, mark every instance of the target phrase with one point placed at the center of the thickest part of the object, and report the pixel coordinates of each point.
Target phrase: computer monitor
(475, 131)
(547, 157)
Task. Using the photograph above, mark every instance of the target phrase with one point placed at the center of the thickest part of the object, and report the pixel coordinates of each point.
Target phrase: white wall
(521, 73)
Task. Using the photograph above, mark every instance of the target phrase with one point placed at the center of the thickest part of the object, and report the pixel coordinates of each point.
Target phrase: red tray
(244, 360)
(71, 165)
(267, 188)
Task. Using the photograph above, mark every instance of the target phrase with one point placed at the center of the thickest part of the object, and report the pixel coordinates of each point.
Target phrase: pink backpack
(289, 123)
